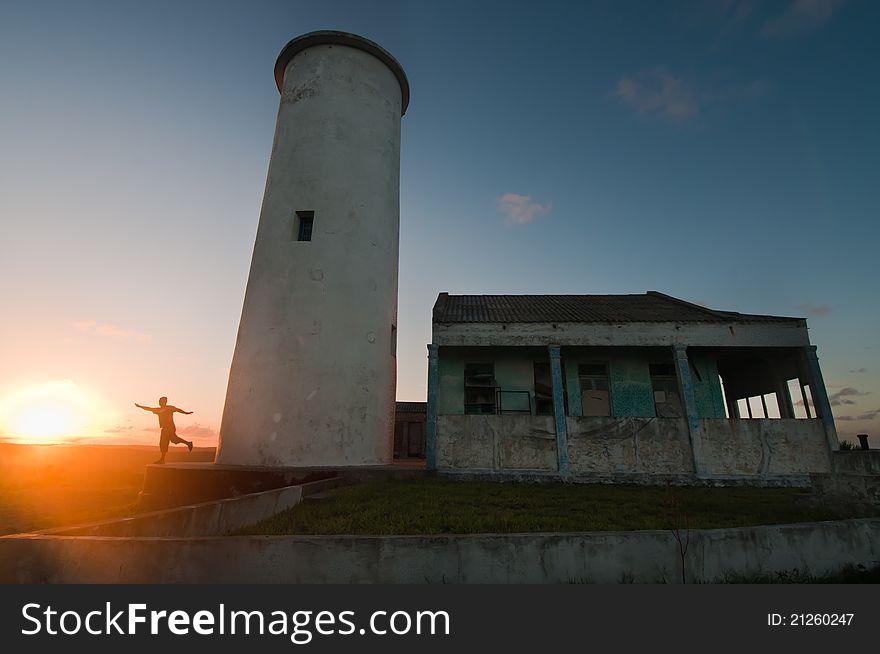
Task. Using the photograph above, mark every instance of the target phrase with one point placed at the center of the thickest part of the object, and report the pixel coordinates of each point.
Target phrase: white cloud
(106, 329)
(814, 310)
(801, 17)
(521, 209)
(659, 91)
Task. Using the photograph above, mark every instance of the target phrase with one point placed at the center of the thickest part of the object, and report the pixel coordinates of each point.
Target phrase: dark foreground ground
(43, 486)
(51, 486)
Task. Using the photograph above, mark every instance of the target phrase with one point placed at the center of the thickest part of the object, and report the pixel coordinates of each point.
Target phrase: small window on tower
(304, 222)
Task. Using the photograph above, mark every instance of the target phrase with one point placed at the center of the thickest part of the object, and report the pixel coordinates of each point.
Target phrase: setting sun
(46, 419)
(50, 410)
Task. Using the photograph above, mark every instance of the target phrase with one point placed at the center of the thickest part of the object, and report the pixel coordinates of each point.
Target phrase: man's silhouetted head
(163, 401)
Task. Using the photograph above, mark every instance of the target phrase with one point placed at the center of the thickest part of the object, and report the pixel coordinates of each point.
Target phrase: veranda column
(686, 388)
(820, 397)
(559, 409)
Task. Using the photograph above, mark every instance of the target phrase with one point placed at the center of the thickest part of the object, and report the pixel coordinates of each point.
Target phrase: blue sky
(726, 152)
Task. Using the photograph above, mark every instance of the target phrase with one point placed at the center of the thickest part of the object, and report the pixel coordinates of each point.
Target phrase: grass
(444, 506)
(45, 486)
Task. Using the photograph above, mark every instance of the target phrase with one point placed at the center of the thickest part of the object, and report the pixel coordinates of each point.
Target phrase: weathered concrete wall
(629, 445)
(633, 446)
(735, 334)
(496, 442)
(865, 462)
(312, 380)
(596, 557)
(763, 447)
(846, 488)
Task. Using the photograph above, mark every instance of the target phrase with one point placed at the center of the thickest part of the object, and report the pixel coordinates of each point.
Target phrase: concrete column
(559, 409)
(431, 427)
(783, 396)
(820, 397)
(686, 389)
(732, 406)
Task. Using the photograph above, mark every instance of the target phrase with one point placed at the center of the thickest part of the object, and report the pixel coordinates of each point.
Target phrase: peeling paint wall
(764, 447)
(707, 386)
(628, 378)
(514, 371)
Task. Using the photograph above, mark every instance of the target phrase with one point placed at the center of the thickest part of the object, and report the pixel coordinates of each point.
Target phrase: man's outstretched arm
(145, 408)
(176, 410)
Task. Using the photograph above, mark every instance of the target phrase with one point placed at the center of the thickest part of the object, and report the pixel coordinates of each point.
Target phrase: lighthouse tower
(312, 381)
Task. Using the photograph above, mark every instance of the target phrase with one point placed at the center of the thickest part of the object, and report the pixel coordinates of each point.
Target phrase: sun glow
(55, 410)
(46, 419)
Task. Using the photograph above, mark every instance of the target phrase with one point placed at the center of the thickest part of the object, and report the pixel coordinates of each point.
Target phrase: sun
(46, 412)
(46, 419)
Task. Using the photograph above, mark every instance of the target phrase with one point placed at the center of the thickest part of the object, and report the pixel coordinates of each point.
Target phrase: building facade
(623, 385)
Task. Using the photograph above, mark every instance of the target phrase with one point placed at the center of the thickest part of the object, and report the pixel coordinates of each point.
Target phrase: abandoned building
(618, 385)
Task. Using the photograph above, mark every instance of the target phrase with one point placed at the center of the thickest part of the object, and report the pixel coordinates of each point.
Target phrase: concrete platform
(179, 484)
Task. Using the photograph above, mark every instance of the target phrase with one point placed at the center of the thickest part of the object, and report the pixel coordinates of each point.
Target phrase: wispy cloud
(112, 331)
(521, 209)
(867, 415)
(119, 429)
(658, 91)
(843, 396)
(198, 431)
(800, 17)
(813, 309)
(859, 371)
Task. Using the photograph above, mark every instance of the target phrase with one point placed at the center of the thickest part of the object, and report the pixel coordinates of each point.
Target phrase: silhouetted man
(166, 424)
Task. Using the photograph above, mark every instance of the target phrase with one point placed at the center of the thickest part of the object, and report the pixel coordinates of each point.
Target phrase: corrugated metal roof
(649, 307)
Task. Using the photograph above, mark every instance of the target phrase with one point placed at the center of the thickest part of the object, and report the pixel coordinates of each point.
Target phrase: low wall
(597, 557)
(496, 442)
(763, 447)
(204, 519)
(621, 446)
(654, 446)
(861, 462)
(182, 484)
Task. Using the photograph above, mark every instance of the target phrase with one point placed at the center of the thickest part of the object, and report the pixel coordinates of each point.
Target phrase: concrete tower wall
(313, 374)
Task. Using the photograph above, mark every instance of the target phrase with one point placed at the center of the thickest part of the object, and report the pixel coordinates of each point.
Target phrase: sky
(725, 152)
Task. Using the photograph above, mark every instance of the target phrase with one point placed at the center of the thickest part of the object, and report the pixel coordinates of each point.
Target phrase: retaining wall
(595, 557)
(204, 519)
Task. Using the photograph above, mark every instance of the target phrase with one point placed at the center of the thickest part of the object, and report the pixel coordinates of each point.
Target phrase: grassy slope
(44, 486)
(443, 506)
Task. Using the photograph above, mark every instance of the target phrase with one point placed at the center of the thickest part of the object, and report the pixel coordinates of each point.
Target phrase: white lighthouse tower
(312, 381)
